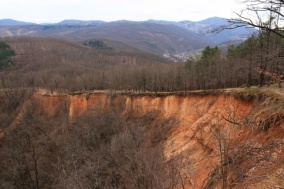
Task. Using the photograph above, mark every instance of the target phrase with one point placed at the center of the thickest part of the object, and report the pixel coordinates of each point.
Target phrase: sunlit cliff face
(197, 124)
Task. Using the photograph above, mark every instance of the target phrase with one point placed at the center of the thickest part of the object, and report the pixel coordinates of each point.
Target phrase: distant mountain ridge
(167, 38)
(151, 37)
(206, 27)
(201, 27)
(80, 22)
(11, 22)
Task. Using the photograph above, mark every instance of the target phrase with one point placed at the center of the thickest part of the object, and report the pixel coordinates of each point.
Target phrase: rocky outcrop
(211, 133)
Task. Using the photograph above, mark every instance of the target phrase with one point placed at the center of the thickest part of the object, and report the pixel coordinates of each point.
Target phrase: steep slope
(234, 138)
(201, 126)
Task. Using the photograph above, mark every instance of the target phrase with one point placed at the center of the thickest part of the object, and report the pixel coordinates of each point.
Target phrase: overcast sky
(49, 11)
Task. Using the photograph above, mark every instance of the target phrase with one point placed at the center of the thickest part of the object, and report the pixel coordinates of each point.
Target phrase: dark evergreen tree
(6, 54)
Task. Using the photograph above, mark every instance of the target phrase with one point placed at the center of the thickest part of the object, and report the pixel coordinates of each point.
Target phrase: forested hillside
(58, 64)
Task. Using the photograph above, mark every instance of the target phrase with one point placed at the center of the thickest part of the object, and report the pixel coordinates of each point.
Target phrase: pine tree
(6, 54)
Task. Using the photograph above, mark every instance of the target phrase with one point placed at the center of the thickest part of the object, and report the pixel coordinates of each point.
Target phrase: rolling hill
(56, 63)
(175, 40)
(150, 37)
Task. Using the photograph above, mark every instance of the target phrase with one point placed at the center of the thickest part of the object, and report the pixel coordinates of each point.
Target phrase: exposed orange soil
(193, 137)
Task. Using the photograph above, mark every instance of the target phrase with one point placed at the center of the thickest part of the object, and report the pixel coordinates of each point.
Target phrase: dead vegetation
(108, 148)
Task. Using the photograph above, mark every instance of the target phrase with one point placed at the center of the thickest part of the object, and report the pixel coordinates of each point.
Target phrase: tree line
(56, 64)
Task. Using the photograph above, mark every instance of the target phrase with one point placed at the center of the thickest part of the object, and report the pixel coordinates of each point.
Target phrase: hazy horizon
(53, 11)
(103, 20)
